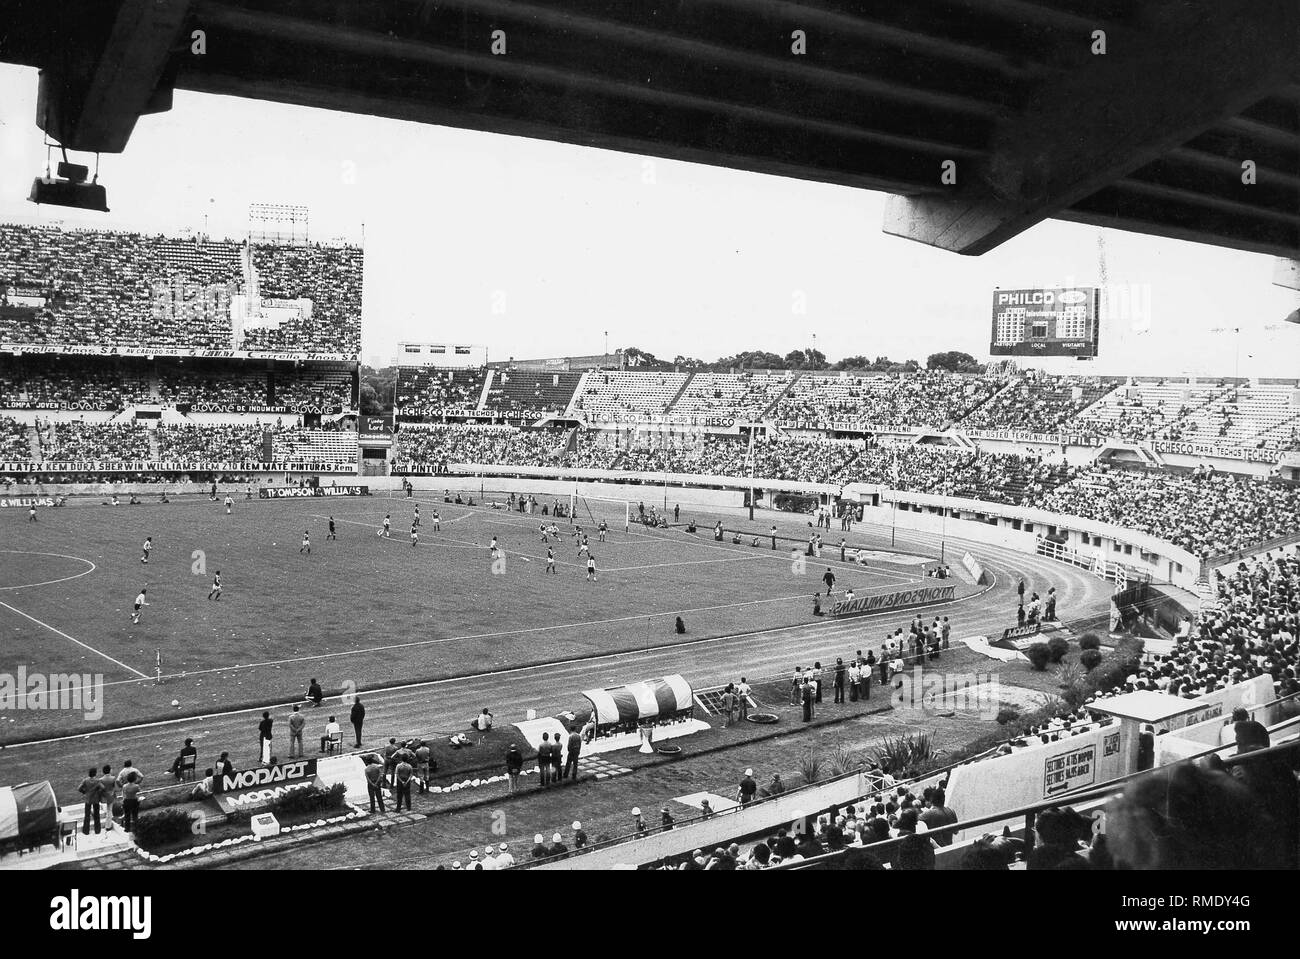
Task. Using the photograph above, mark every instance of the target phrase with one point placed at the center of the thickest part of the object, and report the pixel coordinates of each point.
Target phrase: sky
(537, 249)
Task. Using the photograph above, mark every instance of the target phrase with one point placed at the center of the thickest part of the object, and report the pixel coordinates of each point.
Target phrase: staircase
(577, 392)
(154, 453)
(678, 395)
(771, 409)
(1278, 431)
(487, 385)
(34, 443)
(957, 423)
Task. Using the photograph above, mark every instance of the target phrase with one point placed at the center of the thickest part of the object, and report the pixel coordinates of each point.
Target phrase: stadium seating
(432, 448)
(155, 294)
(1206, 513)
(1242, 416)
(182, 387)
(15, 444)
(529, 394)
(622, 394)
(68, 442)
(232, 443)
(424, 391)
(47, 382)
(1038, 404)
(314, 390)
(314, 446)
(1147, 410)
(930, 398)
(728, 396)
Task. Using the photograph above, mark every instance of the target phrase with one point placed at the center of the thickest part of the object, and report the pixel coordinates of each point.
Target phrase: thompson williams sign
(908, 597)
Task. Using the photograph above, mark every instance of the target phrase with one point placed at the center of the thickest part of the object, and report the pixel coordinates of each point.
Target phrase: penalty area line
(73, 639)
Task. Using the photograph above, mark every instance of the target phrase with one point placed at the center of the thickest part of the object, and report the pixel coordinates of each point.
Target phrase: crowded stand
(321, 391)
(993, 477)
(434, 448)
(1206, 512)
(226, 388)
(932, 398)
(154, 294)
(530, 395)
(808, 460)
(69, 442)
(44, 382)
(1038, 404)
(227, 443)
(15, 441)
(427, 391)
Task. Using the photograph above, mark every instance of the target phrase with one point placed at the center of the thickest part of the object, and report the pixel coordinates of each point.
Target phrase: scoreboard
(1046, 322)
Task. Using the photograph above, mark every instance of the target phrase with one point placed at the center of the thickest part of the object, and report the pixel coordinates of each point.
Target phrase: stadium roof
(1151, 136)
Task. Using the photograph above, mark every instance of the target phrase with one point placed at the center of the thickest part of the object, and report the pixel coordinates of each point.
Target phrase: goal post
(607, 507)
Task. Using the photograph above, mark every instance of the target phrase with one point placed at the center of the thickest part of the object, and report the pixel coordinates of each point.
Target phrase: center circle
(39, 569)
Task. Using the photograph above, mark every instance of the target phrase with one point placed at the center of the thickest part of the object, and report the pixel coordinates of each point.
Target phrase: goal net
(593, 509)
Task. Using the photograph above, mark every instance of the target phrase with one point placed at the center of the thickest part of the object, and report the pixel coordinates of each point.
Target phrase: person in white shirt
(489, 859)
(504, 859)
(332, 730)
(140, 603)
(483, 721)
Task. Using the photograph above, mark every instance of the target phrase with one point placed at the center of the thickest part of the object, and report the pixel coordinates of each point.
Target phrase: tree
(636, 357)
(805, 360)
(954, 361)
(380, 383)
(858, 362)
(370, 404)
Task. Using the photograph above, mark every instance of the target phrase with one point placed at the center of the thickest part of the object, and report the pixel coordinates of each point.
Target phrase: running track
(423, 708)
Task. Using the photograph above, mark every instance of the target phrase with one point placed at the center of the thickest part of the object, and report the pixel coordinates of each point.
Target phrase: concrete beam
(102, 81)
(1185, 66)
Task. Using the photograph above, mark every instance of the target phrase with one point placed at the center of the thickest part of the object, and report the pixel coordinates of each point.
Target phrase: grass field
(361, 610)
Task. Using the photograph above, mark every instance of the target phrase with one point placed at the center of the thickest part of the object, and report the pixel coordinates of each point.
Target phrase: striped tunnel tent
(622, 709)
(29, 816)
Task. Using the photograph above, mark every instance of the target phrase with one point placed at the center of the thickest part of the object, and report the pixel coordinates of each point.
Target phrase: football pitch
(365, 611)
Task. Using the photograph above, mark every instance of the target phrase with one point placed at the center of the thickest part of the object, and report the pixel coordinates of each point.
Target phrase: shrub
(1090, 659)
(1038, 656)
(902, 754)
(1057, 648)
(1068, 675)
(158, 828)
(843, 759)
(1090, 641)
(312, 799)
(1007, 714)
(810, 766)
